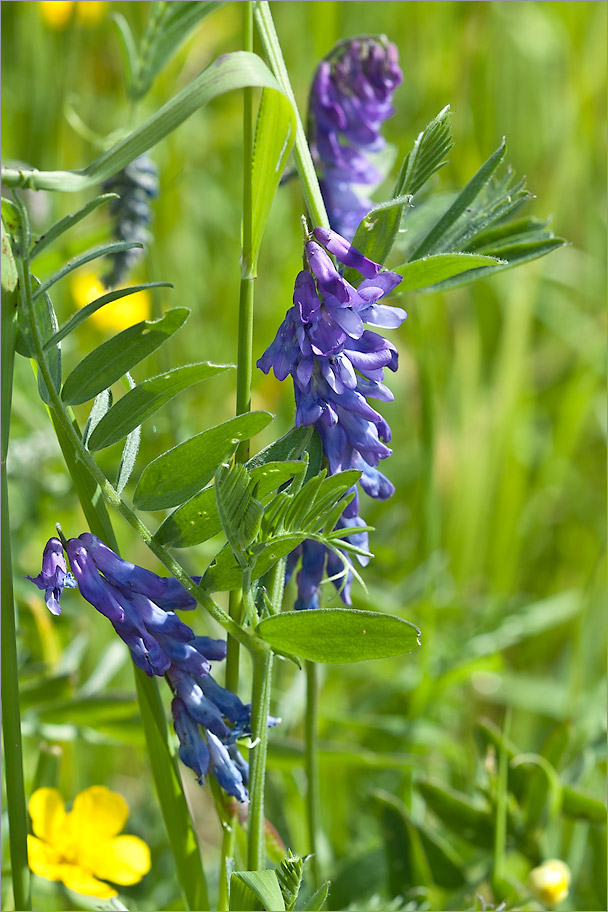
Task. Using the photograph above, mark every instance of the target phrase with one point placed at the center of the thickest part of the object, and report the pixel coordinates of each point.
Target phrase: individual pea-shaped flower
(53, 577)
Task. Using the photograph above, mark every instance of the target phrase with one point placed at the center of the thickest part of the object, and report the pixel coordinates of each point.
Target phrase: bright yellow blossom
(550, 881)
(83, 845)
(86, 287)
(56, 13)
(90, 12)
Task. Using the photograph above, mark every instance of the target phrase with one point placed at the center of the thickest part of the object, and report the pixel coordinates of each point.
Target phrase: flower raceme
(337, 365)
(141, 605)
(350, 98)
(83, 848)
(136, 185)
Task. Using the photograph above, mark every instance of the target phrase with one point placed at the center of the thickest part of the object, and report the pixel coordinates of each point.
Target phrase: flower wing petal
(98, 814)
(48, 815)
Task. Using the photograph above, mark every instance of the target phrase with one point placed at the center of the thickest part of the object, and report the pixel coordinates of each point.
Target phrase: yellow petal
(86, 287)
(124, 860)
(56, 13)
(43, 859)
(90, 12)
(82, 881)
(97, 815)
(48, 814)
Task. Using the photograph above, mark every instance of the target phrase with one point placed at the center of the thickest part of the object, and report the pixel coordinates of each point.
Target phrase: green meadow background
(494, 543)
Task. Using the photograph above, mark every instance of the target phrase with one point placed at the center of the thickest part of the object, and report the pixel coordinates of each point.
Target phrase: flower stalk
(260, 707)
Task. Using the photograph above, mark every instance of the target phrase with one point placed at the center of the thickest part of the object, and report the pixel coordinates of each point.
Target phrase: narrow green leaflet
(338, 635)
(81, 315)
(377, 232)
(239, 510)
(458, 811)
(463, 201)
(8, 336)
(198, 520)
(289, 446)
(274, 137)
(434, 269)
(255, 890)
(225, 573)
(129, 452)
(83, 259)
(100, 407)
(511, 255)
(318, 899)
(113, 359)
(64, 224)
(174, 477)
(146, 398)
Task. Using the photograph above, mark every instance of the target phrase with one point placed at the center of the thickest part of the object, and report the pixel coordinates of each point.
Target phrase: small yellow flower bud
(90, 12)
(550, 881)
(119, 314)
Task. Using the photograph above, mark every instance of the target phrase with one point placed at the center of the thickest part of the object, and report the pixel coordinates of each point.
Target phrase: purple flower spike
(176, 597)
(350, 98)
(53, 577)
(121, 572)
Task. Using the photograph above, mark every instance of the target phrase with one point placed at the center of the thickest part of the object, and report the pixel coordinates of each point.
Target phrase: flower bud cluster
(337, 365)
(141, 605)
(350, 98)
(136, 185)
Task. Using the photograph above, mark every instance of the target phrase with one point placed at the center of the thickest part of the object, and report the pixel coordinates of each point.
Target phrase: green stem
(304, 162)
(500, 824)
(228, 847)
(11, 722)
(312, 768)
(11, 716)
(260, 706)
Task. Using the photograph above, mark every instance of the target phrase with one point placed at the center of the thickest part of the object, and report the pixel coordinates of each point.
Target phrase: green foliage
(146, 398)
(255, 890)
(337, 635)
(115, 358)
(173, 478)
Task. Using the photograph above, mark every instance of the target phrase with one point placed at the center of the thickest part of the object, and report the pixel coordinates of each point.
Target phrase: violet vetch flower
(337, 365)
(350, 98)
(207, 718)
(53, 577)
(136, 185)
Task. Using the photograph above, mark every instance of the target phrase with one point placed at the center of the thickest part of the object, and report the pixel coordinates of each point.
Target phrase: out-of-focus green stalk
(312, 768)
(260, 707)
(500, 822)
(304, 162)
(11, 717)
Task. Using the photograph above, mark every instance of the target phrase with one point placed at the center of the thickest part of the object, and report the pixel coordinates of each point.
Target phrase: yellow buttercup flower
(56, 13)
(550, 881)
(90, 12)
(83, 845)
(86, 287)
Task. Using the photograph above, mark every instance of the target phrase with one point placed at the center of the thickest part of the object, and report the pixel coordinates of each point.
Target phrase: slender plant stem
(260, 706)
(304, 162)
(11, 716)
(11, 723)
(312, 768)
(244, 368)
(228, 845)
(500, 823)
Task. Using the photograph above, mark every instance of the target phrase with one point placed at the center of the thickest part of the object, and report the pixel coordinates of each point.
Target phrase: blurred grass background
(494, 543)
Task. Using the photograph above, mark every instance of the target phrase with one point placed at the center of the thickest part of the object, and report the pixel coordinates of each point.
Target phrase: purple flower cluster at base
(337, 365)
(139, 604)
(350, 98)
